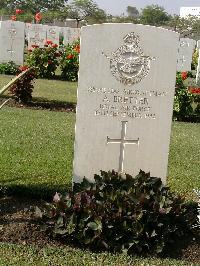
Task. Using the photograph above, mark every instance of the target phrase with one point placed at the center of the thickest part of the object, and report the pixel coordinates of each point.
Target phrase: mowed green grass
(49, 90)
(36, 149)
(16, 255)
(184, 158)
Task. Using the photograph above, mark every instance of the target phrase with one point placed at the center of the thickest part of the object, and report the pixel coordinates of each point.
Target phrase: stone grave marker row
(38, 34)
(12, 38)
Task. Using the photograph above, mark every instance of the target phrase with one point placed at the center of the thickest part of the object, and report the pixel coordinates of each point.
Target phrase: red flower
(50, 62)
(195, 90)
(38, 16)
(18, 11)
(70, 56)
(184, 75)
(77, 48)
(13, 17)
(54, 45)
(23, 68)
(35, 46)
(48, 42)
(30, 50)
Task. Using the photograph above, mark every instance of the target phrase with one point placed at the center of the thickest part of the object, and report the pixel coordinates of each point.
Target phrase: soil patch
(19, 225)
(42, 105)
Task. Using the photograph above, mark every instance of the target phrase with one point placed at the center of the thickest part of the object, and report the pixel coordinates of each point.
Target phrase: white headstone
(53, 34)
(37, 35)
(12, 41)
(125, 99)
(186, 50)
(27, 26)
(70, 35)
(71, 23)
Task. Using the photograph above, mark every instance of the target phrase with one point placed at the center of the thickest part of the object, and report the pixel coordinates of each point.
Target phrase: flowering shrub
(18, 11)
(183, 98)
(9, 68)
(184, 75)
(22, 89)
(13, 17)
(44, 60)
(137, 215)
(70, 62)
(38, 17)
(194, 90)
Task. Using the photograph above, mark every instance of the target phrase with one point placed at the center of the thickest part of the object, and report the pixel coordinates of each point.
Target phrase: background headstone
(12, 41)
(27, 26)
(186, 50)
(71, 23)
(70, 35)
(198, 67)
(53, 34)
(125, 99)
(37, 35)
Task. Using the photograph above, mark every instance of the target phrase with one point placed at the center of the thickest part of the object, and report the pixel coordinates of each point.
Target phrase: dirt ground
(19, 225)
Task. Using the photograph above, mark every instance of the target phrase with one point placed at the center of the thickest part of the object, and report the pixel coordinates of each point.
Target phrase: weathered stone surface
(70, 35)
(12, 41)
(37, 34)
(125, 99)
(53, 34)
(186, 50)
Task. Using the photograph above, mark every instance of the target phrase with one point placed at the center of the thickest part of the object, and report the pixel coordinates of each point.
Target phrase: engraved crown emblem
(131, 39)
(129, 65)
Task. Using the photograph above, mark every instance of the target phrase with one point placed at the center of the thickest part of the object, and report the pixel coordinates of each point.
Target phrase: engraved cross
(123, 142)
(12, 31)
(11, 52)
(183, 60)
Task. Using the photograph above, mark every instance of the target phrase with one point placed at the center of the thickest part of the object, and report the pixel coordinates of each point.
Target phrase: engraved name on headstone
(125, 99)
(12, 41)
(186, 50)
(37, 35)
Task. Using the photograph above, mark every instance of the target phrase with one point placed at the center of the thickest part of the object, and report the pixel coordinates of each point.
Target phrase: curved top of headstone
(123, 25)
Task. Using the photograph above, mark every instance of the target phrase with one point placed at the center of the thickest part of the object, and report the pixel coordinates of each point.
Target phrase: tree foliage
(154, 15)
(34, 6)
(86, 10)
(188, 27)
(132, 11)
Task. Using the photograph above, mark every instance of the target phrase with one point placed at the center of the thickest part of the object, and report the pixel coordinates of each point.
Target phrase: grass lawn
(36, 159)
(37, 152)
(23, 256)
(51, 90)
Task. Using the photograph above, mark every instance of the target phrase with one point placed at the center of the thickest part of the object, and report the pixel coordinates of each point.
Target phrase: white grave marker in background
(198, 67)
(36, 35)
(70, 35)
(125, 99)
(186, 50)
(12, 41)
(53, 34)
